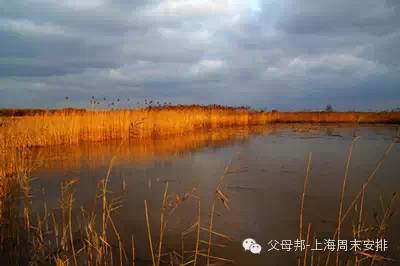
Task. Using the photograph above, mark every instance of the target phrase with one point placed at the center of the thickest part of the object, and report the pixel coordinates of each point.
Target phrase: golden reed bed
(22, 240)
(74, 126)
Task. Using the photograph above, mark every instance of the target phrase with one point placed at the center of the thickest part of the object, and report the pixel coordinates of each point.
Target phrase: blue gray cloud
(285, 54)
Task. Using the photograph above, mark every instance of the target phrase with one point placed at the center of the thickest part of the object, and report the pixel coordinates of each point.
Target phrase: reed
(334, 117)
(361, 193)
(303, 196)
(96, 125)
(346, 175)
(72, 126)
(307, 245)
(15, 217)
(219, 196)
(63, 237)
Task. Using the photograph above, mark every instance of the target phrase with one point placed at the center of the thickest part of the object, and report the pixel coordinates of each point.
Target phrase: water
(264, 184)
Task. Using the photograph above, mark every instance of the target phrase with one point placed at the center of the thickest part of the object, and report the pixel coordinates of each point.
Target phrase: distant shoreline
(383, 117)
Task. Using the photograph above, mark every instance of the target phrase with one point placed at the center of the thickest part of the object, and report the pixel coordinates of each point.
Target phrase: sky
(270, 54)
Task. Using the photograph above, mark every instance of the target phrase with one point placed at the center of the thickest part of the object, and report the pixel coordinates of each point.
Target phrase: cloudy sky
(284, 54)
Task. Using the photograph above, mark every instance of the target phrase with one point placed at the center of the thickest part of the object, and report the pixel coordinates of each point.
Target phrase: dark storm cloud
(287, 54)
(340, 16)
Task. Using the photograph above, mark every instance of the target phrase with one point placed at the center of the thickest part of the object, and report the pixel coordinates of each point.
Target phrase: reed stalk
(149, 232)
(346, 174)
(303, 196)
(359, 194)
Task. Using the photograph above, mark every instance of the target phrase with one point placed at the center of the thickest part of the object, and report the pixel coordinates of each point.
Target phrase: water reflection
(140, 150)
(264, 182)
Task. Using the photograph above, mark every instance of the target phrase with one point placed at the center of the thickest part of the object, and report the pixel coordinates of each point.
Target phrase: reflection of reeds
(70, 157)
(74, 241)
(69, 241)
(14, 203)
(75, 127)
(70, 126)
(87, 239)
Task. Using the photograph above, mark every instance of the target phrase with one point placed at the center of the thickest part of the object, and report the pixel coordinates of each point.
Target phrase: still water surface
(264, 183)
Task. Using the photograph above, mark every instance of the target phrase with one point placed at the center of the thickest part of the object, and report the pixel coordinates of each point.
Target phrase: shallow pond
(265, 172)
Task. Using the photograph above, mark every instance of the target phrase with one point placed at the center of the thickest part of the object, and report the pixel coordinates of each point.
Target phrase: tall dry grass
(68, 235)
(15, 218)
(70, 126)
(60, 238)
(75, 127)
(334, 117)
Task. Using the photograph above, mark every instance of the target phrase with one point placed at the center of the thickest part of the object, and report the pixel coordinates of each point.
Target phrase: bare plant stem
(307, 243)
(360, 219)
(382, 225)
(212, 211)
(303, 199)
(162, 223)
(368, 181)
(198, 234)
(346, 174)
(149, 232)
(70, 228)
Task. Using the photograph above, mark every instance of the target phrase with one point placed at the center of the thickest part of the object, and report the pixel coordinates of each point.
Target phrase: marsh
(264, 183)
